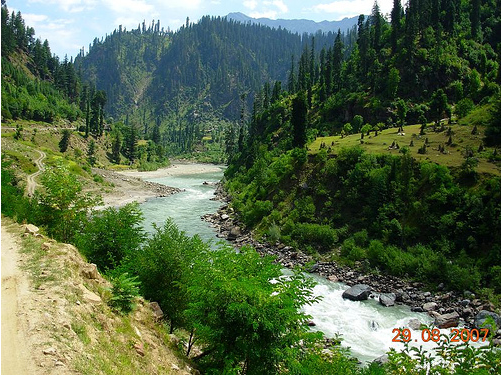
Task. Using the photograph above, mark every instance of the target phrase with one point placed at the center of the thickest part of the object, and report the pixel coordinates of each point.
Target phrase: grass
(21, 160)
(453, 157)
(81, 331)
(39, 265)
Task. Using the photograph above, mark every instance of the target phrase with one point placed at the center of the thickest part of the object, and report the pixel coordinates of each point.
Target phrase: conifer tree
(396, 17)
(298, 120)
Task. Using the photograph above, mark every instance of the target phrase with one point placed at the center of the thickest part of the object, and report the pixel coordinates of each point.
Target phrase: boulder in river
(482, 317)
(382, 360)
(387, 299)
(359, 292)
(447, 320)
(235, 232)
(430, 306)
(414, 324)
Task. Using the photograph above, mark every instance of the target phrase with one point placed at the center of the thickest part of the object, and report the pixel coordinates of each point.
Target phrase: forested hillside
(435, 64)
(191, 82)
(35, 84)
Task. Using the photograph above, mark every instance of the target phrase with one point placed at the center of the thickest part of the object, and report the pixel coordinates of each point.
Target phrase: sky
(69, 25)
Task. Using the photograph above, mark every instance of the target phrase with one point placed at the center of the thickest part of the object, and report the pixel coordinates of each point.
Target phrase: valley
(368, 156)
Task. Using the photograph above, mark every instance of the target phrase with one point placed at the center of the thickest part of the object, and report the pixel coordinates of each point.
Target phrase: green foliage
(65, 140)
(14, 203)
(448, 358)
(63, 206)
(464, 107)
(493, 131)
(164, 269)
(243, 320)
(320, 237)
(405, 217)
(125, 289)
(243, 313)
(111, 235)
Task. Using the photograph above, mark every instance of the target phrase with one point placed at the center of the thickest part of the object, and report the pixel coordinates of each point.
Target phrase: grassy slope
(46, 137)
(88, 338)
(453, 156)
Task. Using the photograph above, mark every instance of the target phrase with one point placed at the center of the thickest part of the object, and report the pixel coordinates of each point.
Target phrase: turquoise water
(187, 207)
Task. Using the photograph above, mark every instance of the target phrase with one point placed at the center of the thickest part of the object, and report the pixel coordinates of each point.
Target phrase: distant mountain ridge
(298, 26)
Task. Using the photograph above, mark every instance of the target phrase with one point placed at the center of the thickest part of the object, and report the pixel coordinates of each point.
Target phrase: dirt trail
(16, 357)
(31, 178)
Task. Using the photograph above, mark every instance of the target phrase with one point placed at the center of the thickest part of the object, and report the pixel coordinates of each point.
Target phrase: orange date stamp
(464, 335)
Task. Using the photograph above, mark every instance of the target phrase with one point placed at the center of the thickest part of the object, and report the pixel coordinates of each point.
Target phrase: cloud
(184, 4)
(267, 9)
(69, 6)
(279, 4)
(250, 4)
(350, 8)
(134, 7)
(272, 14)
(34, 19)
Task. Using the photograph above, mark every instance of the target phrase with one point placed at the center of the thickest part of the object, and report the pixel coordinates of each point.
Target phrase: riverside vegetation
(379, 205)
(237, 310)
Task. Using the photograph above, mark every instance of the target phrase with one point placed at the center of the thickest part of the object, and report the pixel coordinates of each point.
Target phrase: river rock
(332, 278)
(482, 316)
(359, 292)
(234, 233)
(387, 299)
(225, 217)
(447, 320)
(373, 325)
(414, 324)
(430, 306)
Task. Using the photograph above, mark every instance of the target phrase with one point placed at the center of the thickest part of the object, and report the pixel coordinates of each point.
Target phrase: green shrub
(110, 235)
(351, 251)
(273, 233)
(321, 237)
(125, 289)
(256, 211)
(97, 178)
(462, 276)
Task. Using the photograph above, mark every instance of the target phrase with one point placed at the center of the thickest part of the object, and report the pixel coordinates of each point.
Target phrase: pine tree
(91, 153)
(292, 77)
(65, 140)
(396, 17)
(116, 146)
(475, 18)
(337, 62)
(298, 120)
(376, 21)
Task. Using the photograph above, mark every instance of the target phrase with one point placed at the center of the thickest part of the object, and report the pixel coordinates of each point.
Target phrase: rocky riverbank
(448, 308)
(127, 189)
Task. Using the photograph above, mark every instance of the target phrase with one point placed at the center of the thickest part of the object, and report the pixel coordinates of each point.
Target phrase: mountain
(298, 26)
(187, 81)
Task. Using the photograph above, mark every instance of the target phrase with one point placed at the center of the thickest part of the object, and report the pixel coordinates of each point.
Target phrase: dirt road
(16, 357)
(31, 186)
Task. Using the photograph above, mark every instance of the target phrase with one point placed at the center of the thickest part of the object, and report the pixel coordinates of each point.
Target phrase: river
(366, 327)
